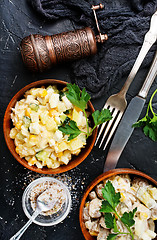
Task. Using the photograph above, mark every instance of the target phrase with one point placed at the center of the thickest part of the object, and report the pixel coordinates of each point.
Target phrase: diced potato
(51, 124)
(57, 120)
(52, 142)
(67, 103)
(64, 159)
(58, 135)
(76, 152)
(24, 131)
(61, 107)
(75, 143)
(140, 226)
(62, 146)
(75, 115)
(32, 161)
(43, 117)
(52, 163)
(145, 197)
(38, 164)
(34, 117)
(20, 137)
(34, 128)
(26, 121)
(54, 100)
(42, 100)
(13, 133)
(148, 235)
(53, 156)
(153, 192)
(33, 91)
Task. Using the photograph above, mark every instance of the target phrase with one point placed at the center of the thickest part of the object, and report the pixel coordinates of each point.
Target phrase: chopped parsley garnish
(80, 99)
(112, 199)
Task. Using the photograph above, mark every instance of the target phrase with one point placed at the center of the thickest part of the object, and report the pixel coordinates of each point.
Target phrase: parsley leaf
(109, 194)
(100, 117)
(109, 220)
(106, 207)
(76, 97)
(80, 99)
(112, 236)
(150, 132)
(115, 228)
(148, 124)
(141, 122)
(127, 218)
(70, 129)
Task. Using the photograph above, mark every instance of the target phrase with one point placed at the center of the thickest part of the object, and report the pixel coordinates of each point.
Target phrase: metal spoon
(44, 203)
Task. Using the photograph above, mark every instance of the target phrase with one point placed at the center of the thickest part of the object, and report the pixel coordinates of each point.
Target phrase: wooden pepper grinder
(40, 53)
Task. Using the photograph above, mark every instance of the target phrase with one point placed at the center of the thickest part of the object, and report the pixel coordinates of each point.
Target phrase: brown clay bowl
(7, 125)
(100, 178)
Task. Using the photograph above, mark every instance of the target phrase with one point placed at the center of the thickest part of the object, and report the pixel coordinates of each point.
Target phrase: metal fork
(117, 103)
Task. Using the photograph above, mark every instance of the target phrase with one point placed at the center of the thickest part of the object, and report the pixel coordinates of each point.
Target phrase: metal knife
(130, 116)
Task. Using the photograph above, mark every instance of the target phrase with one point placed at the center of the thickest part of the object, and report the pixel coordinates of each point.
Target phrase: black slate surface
(17, 21)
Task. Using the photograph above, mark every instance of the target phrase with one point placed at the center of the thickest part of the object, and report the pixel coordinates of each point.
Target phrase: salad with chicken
(131, 215)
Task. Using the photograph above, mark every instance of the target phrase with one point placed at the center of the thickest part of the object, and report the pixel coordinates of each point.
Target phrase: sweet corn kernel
(43, 93)
(18, 125)
(17, 150)
(32, 161)
(122, 199)
(77, 109)
(59, 154)
(92, 233)
(53, 112)
(143, 215)
(87, 204)
(28, 112)
(32, 138)
(69, 115)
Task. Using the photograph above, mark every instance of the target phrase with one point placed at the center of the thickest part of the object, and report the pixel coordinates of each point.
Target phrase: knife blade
(130, 116)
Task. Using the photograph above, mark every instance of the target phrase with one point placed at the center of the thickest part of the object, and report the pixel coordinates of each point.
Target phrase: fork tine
(113, 128)
(109, 126)
(103, 125)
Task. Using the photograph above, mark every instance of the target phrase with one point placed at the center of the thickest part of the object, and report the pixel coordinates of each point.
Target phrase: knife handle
(149, 79)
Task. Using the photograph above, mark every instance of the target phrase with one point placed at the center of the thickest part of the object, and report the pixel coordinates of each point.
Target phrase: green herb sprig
(149, 124)
(80, 99)
(112, 199)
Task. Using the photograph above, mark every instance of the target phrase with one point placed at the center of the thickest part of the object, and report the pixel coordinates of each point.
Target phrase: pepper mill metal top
(40, 53)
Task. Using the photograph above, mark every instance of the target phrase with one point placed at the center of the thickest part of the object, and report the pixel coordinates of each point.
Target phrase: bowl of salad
(50, 126)
(120, 204)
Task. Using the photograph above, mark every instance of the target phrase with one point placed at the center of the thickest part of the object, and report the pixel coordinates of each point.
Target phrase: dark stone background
(18, 21)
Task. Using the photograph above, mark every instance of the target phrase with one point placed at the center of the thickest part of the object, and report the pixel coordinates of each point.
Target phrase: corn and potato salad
(136, 193)
(36, 119)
